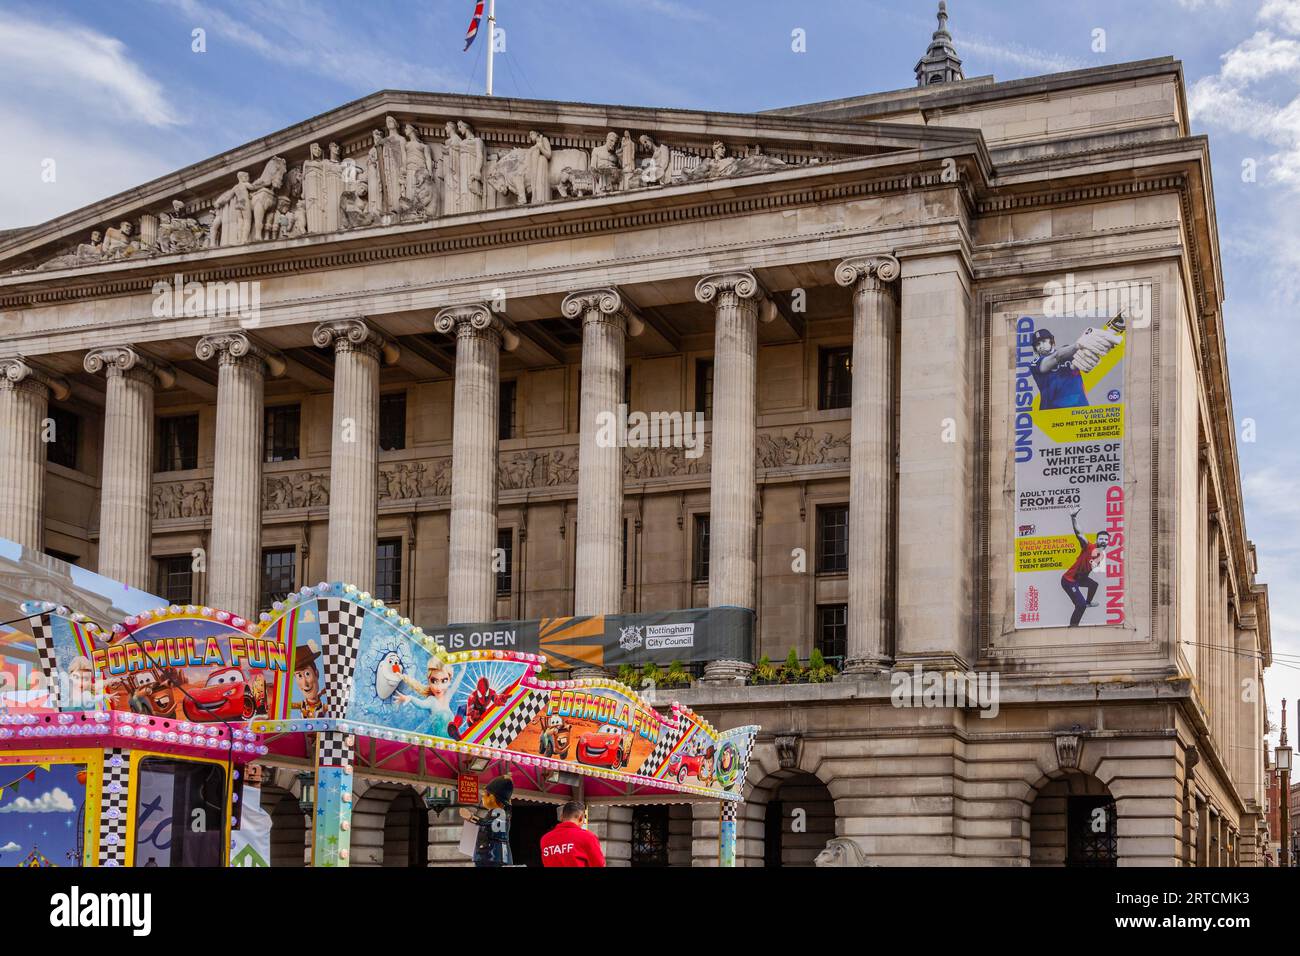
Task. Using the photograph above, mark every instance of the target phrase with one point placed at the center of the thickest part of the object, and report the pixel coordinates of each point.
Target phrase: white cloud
(52, 801)
(1041, 61)
(1261, 56)
(1284, 13)
(79, 63)
(291, 33)
(10, 847)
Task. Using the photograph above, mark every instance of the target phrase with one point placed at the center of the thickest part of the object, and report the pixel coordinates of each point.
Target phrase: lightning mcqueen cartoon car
(697, 765)
(224, 696)
(605, 747)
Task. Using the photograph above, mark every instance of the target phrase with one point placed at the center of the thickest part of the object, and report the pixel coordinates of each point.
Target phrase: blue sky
(115, 94)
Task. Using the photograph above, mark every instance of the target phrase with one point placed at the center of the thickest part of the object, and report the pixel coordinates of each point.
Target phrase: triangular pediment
(401, 158)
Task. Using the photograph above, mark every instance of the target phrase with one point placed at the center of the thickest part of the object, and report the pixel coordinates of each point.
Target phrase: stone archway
(1073, 821)
(390, 827)
(798, 819)
(288, 827)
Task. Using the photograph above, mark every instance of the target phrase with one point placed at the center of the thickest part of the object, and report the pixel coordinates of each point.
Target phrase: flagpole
(492, 33)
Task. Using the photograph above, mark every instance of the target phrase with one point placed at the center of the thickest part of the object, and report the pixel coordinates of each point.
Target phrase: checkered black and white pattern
(43, 637)
(340, 632)
(728, 813)
(520, 716)
(114, 807)
(668, 738)
(333, 749)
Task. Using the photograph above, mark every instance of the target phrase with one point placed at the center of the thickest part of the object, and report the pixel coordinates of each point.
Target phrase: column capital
(127, 360)
(868, 273)
(742, 284)
(17, 372)
(355, 335)
(232, 347)
(602, 305)
(476, 319)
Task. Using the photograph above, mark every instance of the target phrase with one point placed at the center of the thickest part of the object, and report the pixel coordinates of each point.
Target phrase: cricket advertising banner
(1068, 398)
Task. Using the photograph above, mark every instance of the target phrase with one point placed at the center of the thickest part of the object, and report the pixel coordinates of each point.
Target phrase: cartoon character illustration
(433, 695)
(607, 746)
(150, 692)
(82, 685)
(225, 695)
(389, 675)
(694, 762)
(482, 699)
(554, 740)
(307, 679)
(728, 765)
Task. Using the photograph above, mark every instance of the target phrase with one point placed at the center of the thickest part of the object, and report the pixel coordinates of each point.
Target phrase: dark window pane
(505, 570)
(624, 552)
(388, 570)
(176, 579)
(835, 378)
(700, 551)
(62, 448)
(180, 813)
(704, 387)
(506, 411)
(281, 433)
(178, 443)
(649, 836)
(627, 385)
(278, 577)
(833, 630)
(1092, 835)
(833, 539)
(392, 421)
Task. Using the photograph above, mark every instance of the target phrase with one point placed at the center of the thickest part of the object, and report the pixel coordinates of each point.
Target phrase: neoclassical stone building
(374, 346)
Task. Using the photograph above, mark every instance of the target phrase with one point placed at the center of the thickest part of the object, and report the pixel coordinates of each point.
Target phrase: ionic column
(354, 448)
(732, 491)
(235, 561)
(598, 585)
(871, 458)
(24, 406)
(471, 583)
(125, 512)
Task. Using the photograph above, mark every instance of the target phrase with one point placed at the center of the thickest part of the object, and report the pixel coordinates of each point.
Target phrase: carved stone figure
(417, 171)
(259, 217)
(119, 243)
(561, 469)
(575, 182)
(627, 159)
(375, 176)
(392, 151)
(289, 223)
(841, 851)
(450, 171)
(354, 206)
(228, 223)
(470, 167)
(656, 169)
(539, 168)
(508, 174)
(605, 169)
(176, 232)
(322, 188)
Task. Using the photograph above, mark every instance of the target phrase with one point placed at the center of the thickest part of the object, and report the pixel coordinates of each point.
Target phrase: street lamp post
(1284, 772)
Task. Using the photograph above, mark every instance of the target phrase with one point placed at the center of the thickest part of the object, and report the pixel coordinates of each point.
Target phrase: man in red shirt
(571, 843)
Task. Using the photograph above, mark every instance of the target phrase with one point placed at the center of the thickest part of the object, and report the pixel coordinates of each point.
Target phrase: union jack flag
(472, 32)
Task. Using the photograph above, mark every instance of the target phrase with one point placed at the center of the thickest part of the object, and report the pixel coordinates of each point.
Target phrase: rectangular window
(178, 443)
(506, 411)
(62, 448)
(180, 813)
(833, 630)
(700, 551)
(388, 570)
(176, 579)
(833, 539)
(278, 577)
(624, 552)
(627, 385)
(281, 432)
(392, 421)
(505, 558)
(835, 378)
(704, 387)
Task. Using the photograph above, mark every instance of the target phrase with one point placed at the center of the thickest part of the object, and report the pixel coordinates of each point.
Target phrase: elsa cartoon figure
(433, 695)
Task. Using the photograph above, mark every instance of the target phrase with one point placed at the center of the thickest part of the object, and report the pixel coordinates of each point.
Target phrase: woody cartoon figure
(307, 679)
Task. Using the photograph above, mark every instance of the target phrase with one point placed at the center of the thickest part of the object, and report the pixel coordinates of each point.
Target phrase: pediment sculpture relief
(401, 178)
